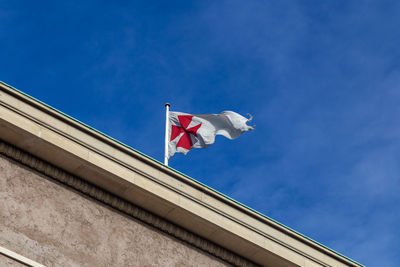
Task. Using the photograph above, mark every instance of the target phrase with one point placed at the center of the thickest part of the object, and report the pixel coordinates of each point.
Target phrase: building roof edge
(177, 174)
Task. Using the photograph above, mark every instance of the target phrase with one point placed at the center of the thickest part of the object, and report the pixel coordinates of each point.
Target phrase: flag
(186, 131)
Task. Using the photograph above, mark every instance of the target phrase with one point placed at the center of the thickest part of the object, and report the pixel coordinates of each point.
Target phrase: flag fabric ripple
(199, 131)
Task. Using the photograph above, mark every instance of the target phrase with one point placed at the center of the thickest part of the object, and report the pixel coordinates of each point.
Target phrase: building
(71, 196)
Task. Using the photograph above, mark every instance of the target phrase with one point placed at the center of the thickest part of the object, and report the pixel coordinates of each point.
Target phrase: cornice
(126, 173)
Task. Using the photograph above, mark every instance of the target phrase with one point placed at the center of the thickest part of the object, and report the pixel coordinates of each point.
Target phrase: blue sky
(321, 78)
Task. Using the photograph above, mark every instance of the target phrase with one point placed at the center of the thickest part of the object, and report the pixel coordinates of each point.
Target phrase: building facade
(71, 196)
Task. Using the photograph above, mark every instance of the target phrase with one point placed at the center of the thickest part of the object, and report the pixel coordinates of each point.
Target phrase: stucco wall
(56, 226)
(6, 261)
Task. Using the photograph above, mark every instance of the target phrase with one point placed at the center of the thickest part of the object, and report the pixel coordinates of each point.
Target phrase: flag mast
(167, 105)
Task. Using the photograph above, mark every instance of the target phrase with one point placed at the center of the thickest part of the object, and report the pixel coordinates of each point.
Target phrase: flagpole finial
(167, 104)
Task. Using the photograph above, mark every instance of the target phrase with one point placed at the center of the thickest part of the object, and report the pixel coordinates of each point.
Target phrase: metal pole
(167, 105)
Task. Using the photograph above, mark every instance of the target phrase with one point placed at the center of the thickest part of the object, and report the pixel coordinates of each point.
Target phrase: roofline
(177, 174)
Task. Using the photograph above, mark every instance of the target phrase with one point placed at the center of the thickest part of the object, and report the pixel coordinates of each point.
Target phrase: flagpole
(167, 105)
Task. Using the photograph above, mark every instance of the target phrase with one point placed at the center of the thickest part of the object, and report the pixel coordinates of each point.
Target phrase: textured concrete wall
(56, 226)
(6, 261)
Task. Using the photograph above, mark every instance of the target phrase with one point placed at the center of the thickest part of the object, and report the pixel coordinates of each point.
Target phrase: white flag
(199, 131)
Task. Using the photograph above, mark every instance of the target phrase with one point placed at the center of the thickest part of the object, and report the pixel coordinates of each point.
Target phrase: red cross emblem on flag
(185, 140)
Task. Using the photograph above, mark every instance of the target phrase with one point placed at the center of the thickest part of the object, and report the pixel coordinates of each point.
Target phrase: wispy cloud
(320, 77)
